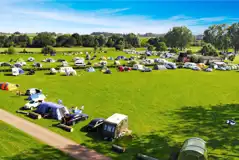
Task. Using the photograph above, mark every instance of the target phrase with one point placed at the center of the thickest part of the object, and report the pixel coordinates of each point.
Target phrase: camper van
(115, 126)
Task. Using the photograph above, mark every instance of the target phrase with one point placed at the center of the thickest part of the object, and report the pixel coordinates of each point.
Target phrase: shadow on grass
(45, 152)
(8, 74)
(210, 124)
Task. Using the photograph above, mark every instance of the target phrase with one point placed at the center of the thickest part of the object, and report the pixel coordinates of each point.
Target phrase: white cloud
(25, 20)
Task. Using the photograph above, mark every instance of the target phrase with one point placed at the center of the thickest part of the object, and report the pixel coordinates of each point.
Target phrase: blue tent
(36, 97)
(21, 71)
(91, 69)
(57, 111)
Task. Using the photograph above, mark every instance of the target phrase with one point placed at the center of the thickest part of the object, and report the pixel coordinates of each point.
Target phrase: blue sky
(119, 16)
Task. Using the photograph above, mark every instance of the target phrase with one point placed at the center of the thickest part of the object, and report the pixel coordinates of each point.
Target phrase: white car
(80, 63)
(189, 65)
(32, 91)
(31, 105)
(138, 67)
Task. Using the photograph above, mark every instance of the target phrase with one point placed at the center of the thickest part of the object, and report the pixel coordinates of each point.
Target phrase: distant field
(16, 145)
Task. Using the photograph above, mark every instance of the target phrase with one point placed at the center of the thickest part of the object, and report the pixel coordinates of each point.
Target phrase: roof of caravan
(116, 118)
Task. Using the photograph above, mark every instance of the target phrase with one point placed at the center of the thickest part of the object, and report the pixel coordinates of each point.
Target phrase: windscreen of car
(31, 102)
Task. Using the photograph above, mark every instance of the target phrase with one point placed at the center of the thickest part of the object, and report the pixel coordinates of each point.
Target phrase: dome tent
(91, 69)
(8, 86)
(193, 149)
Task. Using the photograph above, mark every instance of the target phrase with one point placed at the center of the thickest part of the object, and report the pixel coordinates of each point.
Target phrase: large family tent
(193, 149)
(8, 86)
(57, 111)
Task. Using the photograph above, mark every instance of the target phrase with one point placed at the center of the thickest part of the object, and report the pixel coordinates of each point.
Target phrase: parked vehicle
(31, 105)
(208, 70)
(170, 65)
(146, 69)
(32, 91)
(95, 124)
(80, 63)
(72, 119)
(137, 67)
(189, 65)
(196, 68)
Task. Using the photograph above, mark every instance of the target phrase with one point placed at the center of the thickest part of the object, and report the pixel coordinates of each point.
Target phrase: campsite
(162, 112)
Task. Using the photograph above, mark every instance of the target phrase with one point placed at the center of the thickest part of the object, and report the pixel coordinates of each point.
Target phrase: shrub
(161, 46)
(209, 50)
(11, 50)
(174, 50)
(231, 58)
(200, 59)
(189, 52)
(119, 47)
(194, 58)
(150, 48)
(48, 50)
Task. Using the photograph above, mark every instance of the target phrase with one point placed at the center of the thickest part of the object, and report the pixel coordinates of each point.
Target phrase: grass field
(16, 145)
(164, 108)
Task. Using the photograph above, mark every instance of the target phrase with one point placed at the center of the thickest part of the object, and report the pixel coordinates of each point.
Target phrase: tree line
(220, 37)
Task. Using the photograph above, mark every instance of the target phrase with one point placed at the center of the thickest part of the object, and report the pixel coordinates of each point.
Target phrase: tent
(17, 71)
(37, 97)
(159, 67)
(56, 111)
(91, 69)
(8, 86)
(193, 149)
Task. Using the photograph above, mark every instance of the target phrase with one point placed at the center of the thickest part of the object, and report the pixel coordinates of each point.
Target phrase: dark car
(95, 123)
(72, 119)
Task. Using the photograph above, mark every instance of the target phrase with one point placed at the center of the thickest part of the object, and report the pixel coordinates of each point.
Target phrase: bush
(209, 50)
(200, 59)
(189, 52)
(231, 58)
(119, 47)
(174, 50)
(161, 46)
(11, 50)
(48, 50)
(194, 59)
(150, 48)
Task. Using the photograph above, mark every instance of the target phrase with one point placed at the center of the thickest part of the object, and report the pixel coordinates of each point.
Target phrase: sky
(117, 16)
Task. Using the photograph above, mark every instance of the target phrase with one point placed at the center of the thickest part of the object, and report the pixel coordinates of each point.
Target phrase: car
(32, 91)
(170, 65)
(95, 123)
(72, 119)
(31, 105)
(196, 68)
(208, 70)
(146, 69)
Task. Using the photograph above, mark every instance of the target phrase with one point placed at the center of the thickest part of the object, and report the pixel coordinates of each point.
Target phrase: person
(60, 101)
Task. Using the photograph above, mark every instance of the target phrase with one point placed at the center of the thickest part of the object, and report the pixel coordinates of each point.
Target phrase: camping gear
(8, 86)
(107, 71)
(38, 65)
(91, 69)
(31, 59)
(115, 126)
(53, 71)
(31, 72)
(34, 115)
(80, 62)
(193, 148)
(37, 97)
(231, 122)
(159, 67)
(65, 127)
(72, 119)
(32, 91)
(17, 71)
(145, 157)
(52, 110)
(118, 149)
(18, 65)
(22, 112)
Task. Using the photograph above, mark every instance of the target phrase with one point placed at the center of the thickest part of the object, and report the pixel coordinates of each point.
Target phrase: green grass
(164, 108)
(16, 145)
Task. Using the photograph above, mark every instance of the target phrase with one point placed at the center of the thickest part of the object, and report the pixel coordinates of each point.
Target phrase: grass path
(51, 138)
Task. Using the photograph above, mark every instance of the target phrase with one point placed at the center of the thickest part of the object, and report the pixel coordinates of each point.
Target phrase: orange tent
(8, 86)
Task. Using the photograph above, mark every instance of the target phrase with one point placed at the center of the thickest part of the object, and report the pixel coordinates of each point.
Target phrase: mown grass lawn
(16, 145)
(164, 108)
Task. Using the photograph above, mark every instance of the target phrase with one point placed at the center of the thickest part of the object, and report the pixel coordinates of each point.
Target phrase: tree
(132, 39)
(189, 52)
(11, 50)
(44, 39)
(101, 40)
(231, 58)
(3, 39)
(48, 50)
(110, 42)
(70, 42)
(233, 32)
(218, 36)
(78, 39)
(161, 46)
(208, 50)
(150, 48)
(88, 41)
(23, 41)
(62, 40)
(178, 37)
(119, 47)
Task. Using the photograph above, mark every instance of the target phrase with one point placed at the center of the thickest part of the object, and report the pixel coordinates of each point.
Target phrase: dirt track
(52, 139)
